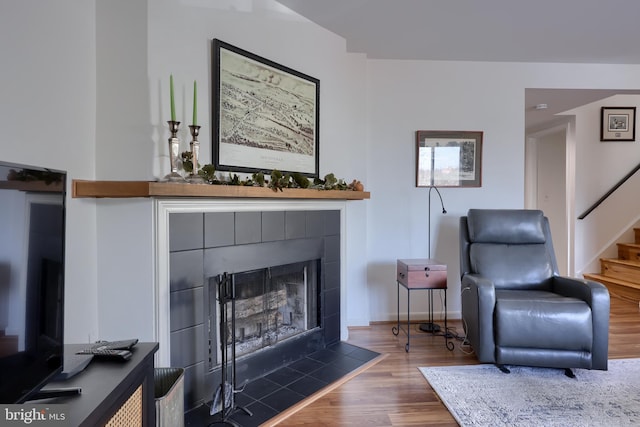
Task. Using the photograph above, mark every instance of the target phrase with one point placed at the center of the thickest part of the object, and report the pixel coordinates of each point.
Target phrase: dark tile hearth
(277, 391)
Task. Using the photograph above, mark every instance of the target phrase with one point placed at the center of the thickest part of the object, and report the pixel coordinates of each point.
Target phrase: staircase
(622, 275)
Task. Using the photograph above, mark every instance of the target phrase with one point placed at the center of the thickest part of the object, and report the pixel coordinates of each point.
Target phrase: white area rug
(481, 395)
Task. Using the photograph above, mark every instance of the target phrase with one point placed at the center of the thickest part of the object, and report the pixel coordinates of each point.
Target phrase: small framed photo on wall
(618, 124)
(448, 158)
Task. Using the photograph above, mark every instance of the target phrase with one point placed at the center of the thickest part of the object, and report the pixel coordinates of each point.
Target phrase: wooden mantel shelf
(124, 189)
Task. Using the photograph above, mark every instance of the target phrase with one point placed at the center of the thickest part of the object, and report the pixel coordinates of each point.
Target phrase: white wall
(405, 96)
(124, 144)
(600, 165)
(47, 117)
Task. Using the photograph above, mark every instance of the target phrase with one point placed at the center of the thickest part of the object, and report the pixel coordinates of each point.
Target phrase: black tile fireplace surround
(204, 245)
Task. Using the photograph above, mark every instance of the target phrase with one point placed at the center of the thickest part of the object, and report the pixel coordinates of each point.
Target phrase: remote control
(107, 354)
(115, 345)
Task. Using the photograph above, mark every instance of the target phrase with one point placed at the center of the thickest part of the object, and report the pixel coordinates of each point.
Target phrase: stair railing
(610, 192)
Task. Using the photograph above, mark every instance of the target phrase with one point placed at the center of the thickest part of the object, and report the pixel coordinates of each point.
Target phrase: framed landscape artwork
(618, 124)
(448, 158)
(265, 115)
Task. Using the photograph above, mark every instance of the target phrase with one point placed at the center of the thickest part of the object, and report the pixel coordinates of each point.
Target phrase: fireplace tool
(223, 403)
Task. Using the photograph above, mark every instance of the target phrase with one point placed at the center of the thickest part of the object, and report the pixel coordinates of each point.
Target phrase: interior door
(547, 186)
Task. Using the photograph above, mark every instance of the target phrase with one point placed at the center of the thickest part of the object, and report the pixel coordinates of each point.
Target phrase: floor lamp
(430, 326)
(444, 211)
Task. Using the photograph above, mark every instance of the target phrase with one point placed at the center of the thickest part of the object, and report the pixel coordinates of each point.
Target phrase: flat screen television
(32, 258)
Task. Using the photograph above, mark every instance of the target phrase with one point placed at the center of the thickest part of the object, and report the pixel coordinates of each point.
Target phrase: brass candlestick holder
(174, 152)
(194, 176)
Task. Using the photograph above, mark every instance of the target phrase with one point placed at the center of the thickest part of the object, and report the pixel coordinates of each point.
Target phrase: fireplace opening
(267, 306)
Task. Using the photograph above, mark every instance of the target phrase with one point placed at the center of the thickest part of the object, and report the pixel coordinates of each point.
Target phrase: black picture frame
(618, 124)
(448, 158)
(266, 116)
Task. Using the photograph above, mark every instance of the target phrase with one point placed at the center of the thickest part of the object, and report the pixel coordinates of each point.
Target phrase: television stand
(112, 391)
(50, 393)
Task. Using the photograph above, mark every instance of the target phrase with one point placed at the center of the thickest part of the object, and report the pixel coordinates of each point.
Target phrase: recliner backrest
(511, 247)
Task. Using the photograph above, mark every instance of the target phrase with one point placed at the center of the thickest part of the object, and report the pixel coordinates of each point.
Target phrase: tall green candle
(173, 105)
(195, 104)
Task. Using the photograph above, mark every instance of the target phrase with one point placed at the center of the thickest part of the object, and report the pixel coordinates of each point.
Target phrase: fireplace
(285, 269)
(266, 306)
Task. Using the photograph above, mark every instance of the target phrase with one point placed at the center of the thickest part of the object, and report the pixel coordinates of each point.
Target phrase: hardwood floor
(394, 393)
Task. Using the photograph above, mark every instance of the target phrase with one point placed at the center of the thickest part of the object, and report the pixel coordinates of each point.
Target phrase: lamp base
(430, 327)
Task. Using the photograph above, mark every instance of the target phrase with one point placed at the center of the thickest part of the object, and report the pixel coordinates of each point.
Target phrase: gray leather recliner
(516, 309)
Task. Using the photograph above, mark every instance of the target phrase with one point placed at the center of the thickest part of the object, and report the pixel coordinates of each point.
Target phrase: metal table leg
(449, 344)
(406, 347)
(396, 329)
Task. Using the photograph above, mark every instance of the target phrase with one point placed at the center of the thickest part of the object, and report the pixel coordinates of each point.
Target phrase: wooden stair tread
(602, 278)
(621, 262)
(623, 289)
(621, 275)
(629, 245)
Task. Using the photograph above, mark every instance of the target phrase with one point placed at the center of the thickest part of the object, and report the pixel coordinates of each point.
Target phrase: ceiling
(577, 31)
(553, 31)
(559, 101)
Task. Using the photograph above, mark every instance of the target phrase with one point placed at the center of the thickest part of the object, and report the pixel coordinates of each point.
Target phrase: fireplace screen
(270, 305)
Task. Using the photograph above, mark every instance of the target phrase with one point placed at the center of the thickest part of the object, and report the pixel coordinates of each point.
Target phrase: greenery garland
(278, 180)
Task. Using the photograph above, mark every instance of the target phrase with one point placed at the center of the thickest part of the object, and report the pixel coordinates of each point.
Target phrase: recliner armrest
(483, 288)
(586, 290)
(597, 296)
(478, 303)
